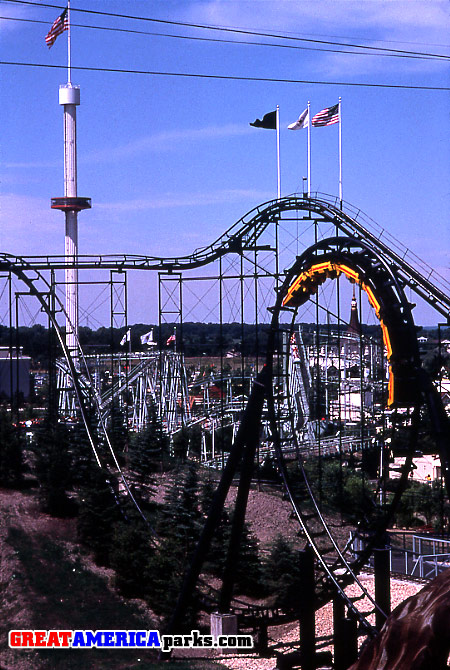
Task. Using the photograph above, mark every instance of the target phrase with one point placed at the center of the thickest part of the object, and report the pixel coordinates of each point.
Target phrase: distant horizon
(174, 324)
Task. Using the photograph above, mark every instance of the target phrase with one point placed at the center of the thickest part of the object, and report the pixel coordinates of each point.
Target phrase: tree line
(193, 339)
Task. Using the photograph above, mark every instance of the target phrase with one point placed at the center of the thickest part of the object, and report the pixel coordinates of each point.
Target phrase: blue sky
(171, 162)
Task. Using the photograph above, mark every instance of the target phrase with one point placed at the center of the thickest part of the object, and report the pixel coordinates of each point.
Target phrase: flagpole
(69, 60)
(278, 196)
(340, 152)
(309, 150)
(278, 154)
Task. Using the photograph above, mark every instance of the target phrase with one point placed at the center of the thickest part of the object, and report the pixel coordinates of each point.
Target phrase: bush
(281, 575)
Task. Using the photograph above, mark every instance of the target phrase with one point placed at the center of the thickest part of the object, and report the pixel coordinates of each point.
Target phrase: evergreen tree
(98, 514)
(130, 555)
(206, 495)
(181, 516)
(195, 441)
(53, 469)
(147, 449)
(11, 451)
(82, 455)
(118, 429)
(179, 530)
(180, 444)
(164, 577)
(248, 576)
(215, 560)
(281, 575)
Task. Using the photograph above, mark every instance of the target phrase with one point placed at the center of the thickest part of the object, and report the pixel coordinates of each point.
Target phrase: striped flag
(326, 117)
(171, 339)
(58, 27)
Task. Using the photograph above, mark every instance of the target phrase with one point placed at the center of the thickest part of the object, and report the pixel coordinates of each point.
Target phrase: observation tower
(70, 203)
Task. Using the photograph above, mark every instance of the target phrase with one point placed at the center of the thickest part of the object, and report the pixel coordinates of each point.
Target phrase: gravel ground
(400, 590)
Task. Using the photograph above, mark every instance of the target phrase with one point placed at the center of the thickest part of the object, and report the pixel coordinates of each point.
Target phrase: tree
(98, 514)
(281, 575)
(82, 455)
(215, 559)
(11, 451)
(180, 443)
(195, 441)
(408, 507)
(181, 515)
(164, 577)
(118, 429)
(178, 531)
(147, 449)
(129, 556)
(247, 577)
(53, 469)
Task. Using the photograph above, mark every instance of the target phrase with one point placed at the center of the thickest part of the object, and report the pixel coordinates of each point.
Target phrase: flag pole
(278, 195)
(278, 154)
(340, 152)
(69, 60)
(309, 150)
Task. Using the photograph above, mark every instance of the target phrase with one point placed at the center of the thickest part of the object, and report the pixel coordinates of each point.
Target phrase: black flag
(268, 121)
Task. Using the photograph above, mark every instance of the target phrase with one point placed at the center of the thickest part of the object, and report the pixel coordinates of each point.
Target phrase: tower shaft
(69, 97)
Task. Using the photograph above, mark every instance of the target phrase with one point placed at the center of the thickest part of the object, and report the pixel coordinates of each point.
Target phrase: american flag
(326, 117)
(172, 338)
(59, 26)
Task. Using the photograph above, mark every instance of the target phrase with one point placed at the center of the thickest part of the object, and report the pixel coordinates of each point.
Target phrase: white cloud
(347, 15)
(169, 140)
(185, 200)
(29, 226)
(412, 25)
(9, 12)
(34, 165)
(166, 141)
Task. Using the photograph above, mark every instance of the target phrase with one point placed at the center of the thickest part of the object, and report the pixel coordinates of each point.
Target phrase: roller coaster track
(243, 236)
(326, 260)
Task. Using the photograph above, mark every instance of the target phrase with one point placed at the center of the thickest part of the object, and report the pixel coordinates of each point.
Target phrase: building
(353, 370)
(14, 374)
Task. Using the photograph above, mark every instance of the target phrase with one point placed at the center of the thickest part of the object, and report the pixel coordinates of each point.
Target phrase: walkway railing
(416, 562)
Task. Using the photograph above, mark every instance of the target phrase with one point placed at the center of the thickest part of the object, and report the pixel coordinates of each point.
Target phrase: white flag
(147, 338)
(302, 121)
(126, 337)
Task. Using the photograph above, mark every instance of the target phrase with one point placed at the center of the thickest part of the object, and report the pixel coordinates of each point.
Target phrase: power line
(367, 39)
(239, 42)
(230, 77)
(241, 31)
